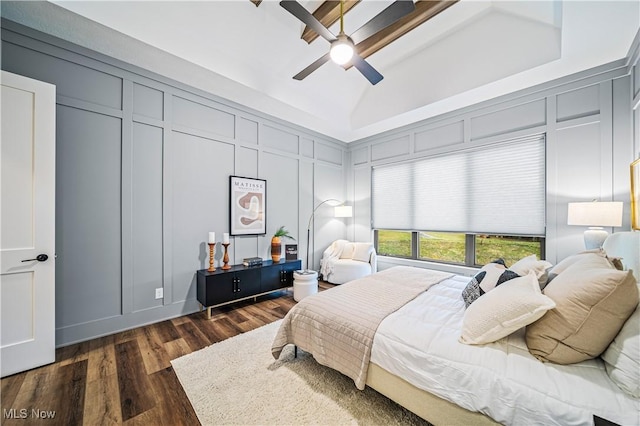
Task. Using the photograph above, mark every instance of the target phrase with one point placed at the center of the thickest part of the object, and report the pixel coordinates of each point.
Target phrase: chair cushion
(347, 251)
(347, 270)
(362, 252)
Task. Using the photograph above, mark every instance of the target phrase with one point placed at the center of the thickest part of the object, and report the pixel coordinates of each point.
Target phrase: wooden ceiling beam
(425, 10)
(328, 13)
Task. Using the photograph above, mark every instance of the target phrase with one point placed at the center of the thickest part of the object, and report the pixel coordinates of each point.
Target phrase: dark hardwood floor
(127, 378)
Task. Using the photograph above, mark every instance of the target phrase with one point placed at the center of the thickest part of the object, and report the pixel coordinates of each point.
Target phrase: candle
(212, 237)
(225, 238)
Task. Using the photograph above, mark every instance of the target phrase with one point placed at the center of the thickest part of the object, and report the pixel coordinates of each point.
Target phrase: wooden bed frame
(433, 409)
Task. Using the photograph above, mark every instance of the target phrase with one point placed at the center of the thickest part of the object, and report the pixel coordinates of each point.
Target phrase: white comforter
(419, 343)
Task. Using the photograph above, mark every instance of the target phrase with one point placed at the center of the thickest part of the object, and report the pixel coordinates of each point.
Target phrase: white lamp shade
(595, 213)
(341, 50)
(343, 211)
(341, 53)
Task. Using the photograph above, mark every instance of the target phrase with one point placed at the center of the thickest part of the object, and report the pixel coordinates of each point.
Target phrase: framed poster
(635, 195)
(248, 206)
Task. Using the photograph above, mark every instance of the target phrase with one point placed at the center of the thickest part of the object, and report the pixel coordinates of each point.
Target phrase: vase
(276, 249)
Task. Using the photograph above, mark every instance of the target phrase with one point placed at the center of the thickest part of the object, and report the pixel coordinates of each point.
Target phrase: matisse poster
(248, 206)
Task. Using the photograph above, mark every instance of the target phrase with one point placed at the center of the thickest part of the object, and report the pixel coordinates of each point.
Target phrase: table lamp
(595, 215)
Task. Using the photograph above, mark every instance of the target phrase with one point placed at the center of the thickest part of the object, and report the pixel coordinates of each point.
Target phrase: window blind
(493, 189)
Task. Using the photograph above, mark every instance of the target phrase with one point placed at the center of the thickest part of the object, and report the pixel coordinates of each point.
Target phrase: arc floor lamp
(340, 210)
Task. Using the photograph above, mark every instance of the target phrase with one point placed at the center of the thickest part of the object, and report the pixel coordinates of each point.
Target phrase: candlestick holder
(212, 252)
(225, 259)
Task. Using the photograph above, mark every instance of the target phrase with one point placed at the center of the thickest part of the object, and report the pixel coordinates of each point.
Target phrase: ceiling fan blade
(297, 10)
(391, 14)
(311, 68)
(366, 69)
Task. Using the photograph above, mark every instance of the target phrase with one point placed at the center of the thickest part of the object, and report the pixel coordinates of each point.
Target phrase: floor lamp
(340, 211)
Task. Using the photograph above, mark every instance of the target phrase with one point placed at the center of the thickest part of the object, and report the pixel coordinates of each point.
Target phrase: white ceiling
(473, 51)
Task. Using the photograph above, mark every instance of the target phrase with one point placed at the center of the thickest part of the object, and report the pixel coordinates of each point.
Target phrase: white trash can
(305, 283)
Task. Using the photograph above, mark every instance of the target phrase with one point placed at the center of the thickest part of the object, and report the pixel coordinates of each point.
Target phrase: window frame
(470, 248)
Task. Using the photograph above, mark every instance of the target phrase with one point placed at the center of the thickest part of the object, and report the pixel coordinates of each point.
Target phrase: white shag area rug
(237, 381)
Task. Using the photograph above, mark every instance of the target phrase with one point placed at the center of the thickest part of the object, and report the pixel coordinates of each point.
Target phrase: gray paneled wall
(587, 120)
(146, 215)
(143, 168)
(88, 171)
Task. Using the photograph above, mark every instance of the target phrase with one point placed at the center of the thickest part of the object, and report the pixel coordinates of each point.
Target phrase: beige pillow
(531, 263)
(593, 301)
(362, 252)
(622, 357)
(347, 251)
(568, 261)
(504, 310)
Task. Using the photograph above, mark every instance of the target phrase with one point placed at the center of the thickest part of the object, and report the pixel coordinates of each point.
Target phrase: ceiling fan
(343, 50)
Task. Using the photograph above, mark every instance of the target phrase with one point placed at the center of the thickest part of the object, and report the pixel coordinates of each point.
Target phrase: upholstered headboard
(625, 245)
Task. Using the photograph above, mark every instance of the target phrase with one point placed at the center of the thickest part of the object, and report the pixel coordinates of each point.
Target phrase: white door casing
(27, 223)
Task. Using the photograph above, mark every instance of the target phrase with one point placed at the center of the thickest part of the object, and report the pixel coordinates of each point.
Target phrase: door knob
(39, 258)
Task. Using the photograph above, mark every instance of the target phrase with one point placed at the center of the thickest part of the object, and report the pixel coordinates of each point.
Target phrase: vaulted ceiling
(467, 53)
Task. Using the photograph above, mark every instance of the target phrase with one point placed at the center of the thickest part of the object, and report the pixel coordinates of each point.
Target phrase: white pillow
(362, 252)
(531, 263)
(622, 357)
(347, 251)
(504, 310)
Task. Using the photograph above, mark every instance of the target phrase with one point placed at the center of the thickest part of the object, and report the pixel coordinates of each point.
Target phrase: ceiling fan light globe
(341, 52)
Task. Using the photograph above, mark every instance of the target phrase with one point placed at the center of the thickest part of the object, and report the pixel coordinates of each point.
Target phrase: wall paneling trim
(143, 166)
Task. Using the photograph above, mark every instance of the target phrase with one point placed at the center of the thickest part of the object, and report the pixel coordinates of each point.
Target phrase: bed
(414, 356)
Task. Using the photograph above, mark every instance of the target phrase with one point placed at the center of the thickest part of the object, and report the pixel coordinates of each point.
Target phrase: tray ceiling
(470, 52)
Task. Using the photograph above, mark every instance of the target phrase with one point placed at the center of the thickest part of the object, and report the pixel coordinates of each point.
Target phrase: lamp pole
(309, 226)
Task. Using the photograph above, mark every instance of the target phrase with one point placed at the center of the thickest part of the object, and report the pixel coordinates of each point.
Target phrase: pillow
(622, 357)
(362, 252)
(531, 263)
(504, 310)
(568, 261)
(593, 301)
(347, 251)
(490, 276)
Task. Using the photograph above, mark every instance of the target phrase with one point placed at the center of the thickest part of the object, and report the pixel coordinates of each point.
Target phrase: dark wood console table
(221, 287)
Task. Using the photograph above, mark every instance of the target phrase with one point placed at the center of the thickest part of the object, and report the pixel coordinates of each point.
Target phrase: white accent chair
(345, 261)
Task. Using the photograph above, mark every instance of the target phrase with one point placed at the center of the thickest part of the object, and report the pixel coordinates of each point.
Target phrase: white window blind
(494, 189)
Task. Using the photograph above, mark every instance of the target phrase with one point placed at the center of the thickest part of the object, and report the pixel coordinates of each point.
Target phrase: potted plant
(276, 243)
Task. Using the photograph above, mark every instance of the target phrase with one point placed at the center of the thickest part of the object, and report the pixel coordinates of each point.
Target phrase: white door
(27, 224)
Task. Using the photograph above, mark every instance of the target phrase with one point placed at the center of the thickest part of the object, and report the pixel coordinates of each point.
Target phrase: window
(442, 246)
(456, 248)
(465, 207)
(509, 248)
(394, 243)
